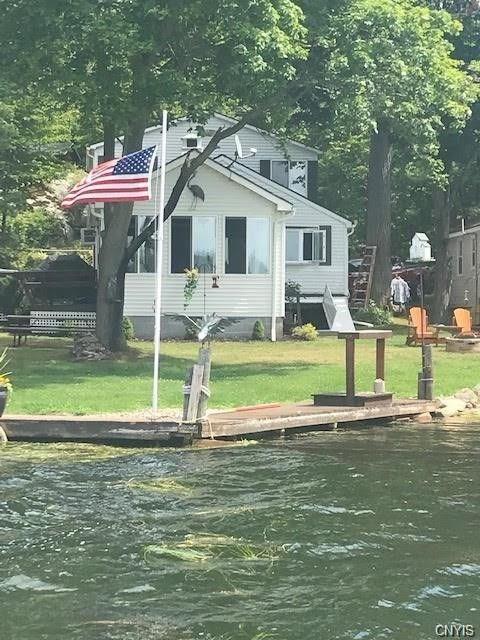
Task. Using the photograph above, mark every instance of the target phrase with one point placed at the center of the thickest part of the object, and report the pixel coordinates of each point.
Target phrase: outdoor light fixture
(215, 284)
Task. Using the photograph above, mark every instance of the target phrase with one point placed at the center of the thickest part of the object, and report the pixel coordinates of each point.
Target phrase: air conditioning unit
(88, 236)
(192, 141)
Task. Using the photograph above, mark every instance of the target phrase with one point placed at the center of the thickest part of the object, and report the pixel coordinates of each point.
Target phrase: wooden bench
(47, 323)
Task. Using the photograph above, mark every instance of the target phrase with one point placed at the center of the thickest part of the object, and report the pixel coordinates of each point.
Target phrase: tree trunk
(112, 262)
(379, 212)
(443, 267)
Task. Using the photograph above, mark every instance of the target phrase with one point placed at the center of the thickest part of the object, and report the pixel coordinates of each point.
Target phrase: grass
(244, 373)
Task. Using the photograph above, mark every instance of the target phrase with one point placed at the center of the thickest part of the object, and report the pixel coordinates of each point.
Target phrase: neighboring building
(257, 227)
(463, 254)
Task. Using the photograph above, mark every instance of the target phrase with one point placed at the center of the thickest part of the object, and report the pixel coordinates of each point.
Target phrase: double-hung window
(306, 245)
(144, 260)
(291, 174)
(460, 257)
(192, 244)
(247, 245)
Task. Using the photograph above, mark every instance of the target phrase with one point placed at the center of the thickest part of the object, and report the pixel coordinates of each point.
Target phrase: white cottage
(257, 227)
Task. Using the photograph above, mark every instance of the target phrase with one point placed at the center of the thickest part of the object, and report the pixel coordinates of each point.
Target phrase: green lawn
(243, 373)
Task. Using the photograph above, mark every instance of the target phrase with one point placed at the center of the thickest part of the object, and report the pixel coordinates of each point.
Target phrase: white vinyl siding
(242, 295)
(268, 148)
(313, 276)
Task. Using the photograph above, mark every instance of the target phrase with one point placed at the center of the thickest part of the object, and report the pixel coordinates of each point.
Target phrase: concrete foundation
(173, 328)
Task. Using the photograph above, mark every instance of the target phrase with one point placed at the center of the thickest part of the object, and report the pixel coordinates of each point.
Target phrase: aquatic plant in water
(208, 546)
(161, 485)
(62, 452)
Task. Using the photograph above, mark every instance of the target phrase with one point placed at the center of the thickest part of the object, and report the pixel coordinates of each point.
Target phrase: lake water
(365, 534)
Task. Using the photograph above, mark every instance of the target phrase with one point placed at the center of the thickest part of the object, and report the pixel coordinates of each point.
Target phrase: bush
(378, 316)
(128, 329)
(305, 332)
(258, 332)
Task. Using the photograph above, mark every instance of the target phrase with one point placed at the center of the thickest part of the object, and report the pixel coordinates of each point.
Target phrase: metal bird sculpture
(198, 193)
(208, 326)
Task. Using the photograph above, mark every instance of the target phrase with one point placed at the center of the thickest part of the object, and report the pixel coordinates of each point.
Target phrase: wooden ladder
(362, 283)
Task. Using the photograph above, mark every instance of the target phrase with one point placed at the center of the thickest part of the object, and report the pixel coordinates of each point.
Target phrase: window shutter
(312, 180)
(328, 245)
(265, 169)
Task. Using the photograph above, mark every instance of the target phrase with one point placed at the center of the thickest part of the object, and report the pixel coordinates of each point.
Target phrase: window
(460, 257)
(291, 174)
(192, 141)
(474, 251)
(306, 245)
(144, 260)
(247, 245)
(192, 243)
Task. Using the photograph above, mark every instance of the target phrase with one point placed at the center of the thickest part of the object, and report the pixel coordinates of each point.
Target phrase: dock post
(350, 369)
(425, 376)
(204, 358)
(186, 392)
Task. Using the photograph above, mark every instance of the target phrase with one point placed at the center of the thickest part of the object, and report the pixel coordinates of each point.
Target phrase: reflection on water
(343, 535)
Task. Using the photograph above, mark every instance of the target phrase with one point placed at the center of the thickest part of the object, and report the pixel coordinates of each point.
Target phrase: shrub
(258, 332)
(128, 329)
(4, 373)
(376, 315)
(305, 332)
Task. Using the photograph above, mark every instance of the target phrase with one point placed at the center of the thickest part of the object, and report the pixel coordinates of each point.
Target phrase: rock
(87, 347)
(3, 436)
(424, 418)
(450, 407)
(477, 390)
(468, 396)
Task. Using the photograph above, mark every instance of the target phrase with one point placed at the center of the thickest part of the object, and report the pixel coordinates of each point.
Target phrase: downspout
(273, 327)
(276, 225)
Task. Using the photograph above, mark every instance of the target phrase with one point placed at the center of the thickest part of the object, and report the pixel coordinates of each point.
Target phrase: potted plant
(5, 384)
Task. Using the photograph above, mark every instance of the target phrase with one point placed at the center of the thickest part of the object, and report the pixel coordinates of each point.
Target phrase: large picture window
(247, 245)
(144, 260)
(306, 245)
(192, 244)
(291, 174)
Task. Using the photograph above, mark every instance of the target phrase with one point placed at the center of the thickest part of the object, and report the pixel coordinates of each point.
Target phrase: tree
(460, 190)
(121, 61)
(391, 78)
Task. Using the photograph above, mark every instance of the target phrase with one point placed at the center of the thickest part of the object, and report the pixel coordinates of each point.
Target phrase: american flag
(124, 179)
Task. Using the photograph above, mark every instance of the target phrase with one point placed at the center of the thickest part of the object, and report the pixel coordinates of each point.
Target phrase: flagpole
(158, 270)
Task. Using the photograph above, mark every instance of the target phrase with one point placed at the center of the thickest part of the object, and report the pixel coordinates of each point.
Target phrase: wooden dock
(304, 415)
(259, 420)
(96, 430)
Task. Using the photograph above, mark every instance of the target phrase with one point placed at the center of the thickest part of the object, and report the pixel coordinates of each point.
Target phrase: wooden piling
(425, 376)
(186, 393)
(204, 359)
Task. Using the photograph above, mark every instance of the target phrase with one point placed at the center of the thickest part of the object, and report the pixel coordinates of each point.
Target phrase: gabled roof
(279, 189)
(283, 205)
(421, 236)
(220, 116)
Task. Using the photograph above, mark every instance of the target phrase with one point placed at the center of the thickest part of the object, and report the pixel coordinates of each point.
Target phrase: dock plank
(304, 415)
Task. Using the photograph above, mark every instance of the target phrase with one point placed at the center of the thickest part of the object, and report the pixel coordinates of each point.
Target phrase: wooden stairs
(362, 283)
